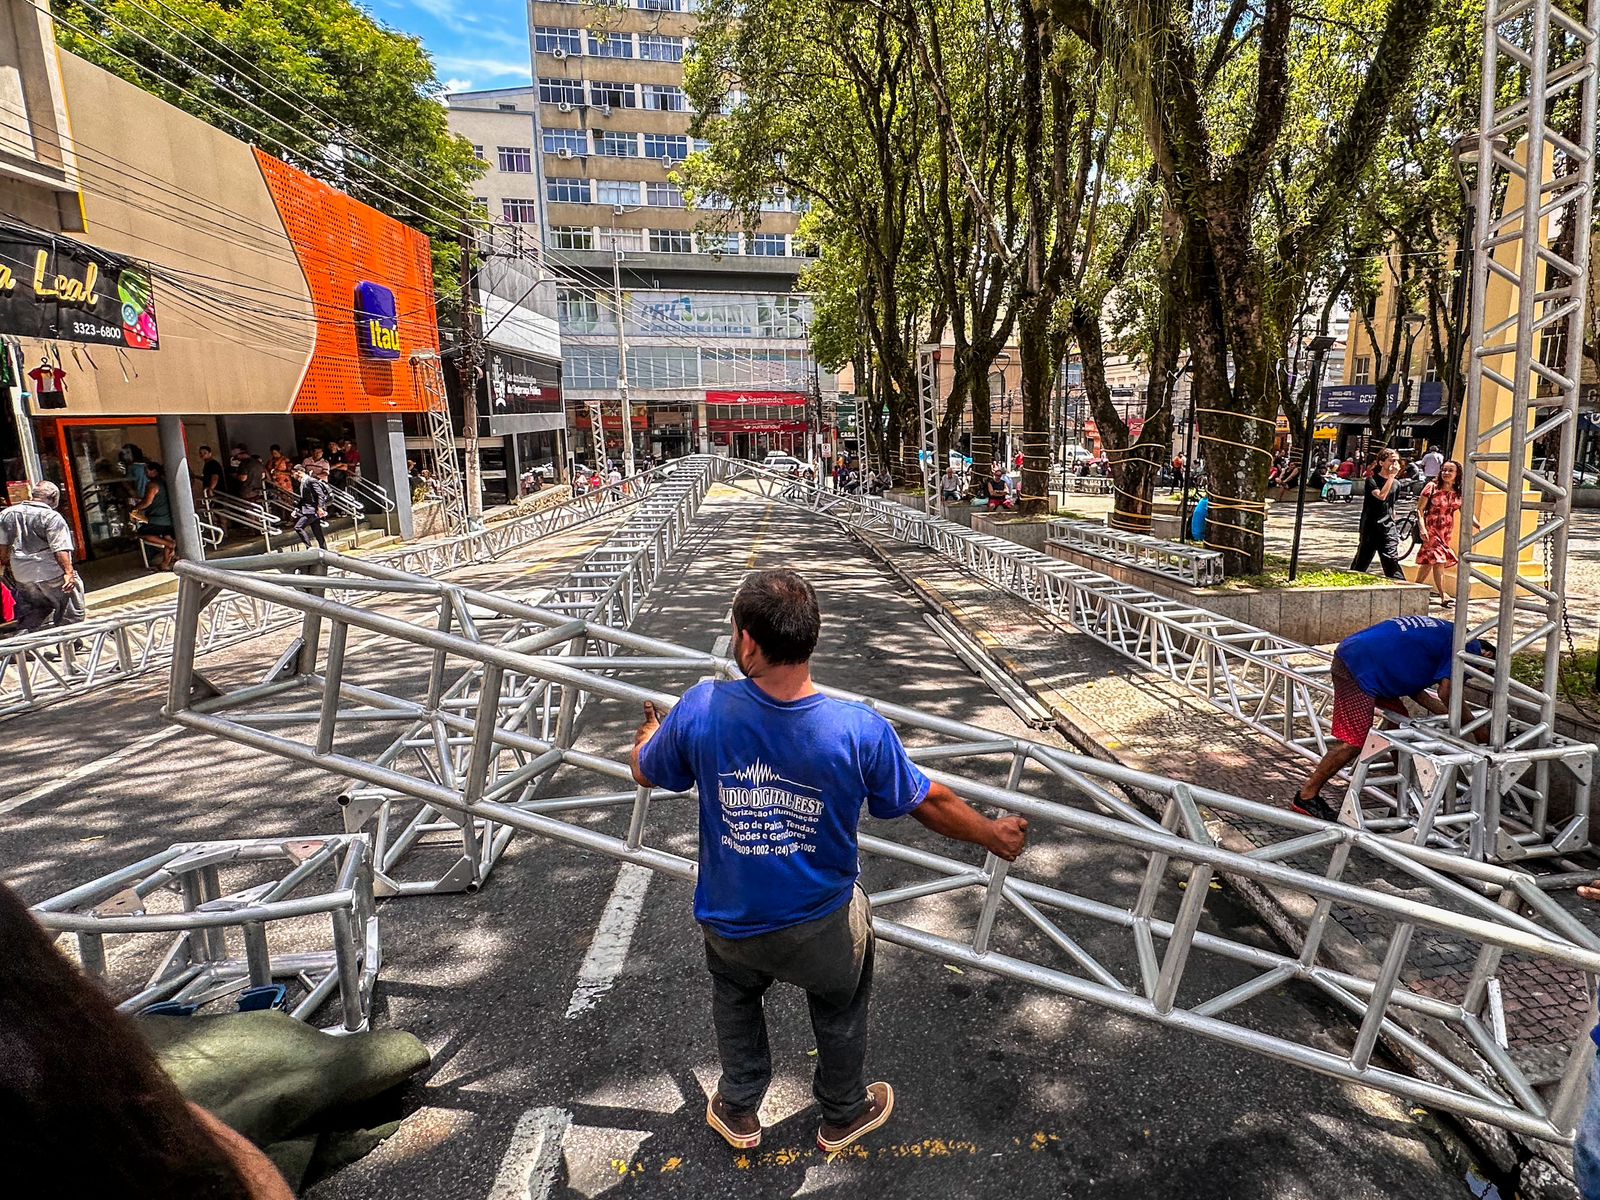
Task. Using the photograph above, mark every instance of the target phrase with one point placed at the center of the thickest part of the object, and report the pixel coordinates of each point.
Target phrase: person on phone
(36, 559)
(783, 772)
(1378, 534)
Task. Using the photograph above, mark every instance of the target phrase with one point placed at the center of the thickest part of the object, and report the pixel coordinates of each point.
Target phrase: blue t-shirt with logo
(1401, 657)
(781, 788)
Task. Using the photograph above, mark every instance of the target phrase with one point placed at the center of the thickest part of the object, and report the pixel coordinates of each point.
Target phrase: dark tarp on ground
(287, 1087)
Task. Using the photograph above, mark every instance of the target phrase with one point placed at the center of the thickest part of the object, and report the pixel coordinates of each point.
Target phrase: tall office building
(717, 340)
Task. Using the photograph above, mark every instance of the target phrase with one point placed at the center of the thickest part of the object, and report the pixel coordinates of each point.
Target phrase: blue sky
(474, 43)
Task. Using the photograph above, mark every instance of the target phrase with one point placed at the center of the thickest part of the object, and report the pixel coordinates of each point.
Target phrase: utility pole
(622, 363)
(471, 346)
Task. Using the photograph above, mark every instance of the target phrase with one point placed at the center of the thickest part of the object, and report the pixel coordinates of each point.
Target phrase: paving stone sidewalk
(1114, 710)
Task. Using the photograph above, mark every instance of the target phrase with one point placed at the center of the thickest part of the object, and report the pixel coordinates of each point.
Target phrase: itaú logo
(377, 323)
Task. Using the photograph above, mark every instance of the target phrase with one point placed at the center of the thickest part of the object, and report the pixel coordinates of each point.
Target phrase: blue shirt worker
(1373, 669)
(783, 772)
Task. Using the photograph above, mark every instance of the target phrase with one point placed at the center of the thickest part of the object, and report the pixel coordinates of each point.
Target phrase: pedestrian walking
(782, 773)
(36, 560)
(311, 507)
(1441, 508)
(1373, 669)
(1378, 534)
(1431, 463)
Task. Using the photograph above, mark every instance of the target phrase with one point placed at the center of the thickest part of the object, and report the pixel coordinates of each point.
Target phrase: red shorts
(1353, 709)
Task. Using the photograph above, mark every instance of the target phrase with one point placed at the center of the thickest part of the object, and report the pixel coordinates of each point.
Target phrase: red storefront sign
(739, 425)
(795, 399)
(1135, 428)
(769, 422)
(610, 420)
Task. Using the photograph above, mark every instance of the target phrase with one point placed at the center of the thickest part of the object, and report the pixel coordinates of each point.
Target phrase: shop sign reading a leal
(58, 289)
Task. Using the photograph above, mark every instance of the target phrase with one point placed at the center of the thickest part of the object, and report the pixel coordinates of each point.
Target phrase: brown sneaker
(880, 1103)
(742, 1132)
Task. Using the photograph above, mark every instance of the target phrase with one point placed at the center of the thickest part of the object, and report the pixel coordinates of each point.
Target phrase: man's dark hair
(779, 610)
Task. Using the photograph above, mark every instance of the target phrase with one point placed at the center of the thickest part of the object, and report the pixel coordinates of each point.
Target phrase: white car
(782, 463)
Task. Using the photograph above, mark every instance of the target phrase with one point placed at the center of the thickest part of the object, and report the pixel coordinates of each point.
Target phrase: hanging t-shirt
(49, 386)
(781, 788)
(1401, 657)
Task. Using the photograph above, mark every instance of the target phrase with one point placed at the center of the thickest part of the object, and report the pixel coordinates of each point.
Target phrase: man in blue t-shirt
(1373, 669)
(783, 772)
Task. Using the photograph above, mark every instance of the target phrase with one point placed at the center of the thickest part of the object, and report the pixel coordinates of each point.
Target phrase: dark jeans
(45, 604)
(1383, 541)
(831, 959)
(308, 521)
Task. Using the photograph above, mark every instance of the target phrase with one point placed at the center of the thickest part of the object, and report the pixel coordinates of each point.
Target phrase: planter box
(1311, 616)
(1024, 531)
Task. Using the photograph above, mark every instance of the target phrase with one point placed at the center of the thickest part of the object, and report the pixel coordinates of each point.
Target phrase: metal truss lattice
(209, 916)
(1068, 930)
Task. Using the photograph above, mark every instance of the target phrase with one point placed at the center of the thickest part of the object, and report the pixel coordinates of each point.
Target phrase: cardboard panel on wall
(371, 281)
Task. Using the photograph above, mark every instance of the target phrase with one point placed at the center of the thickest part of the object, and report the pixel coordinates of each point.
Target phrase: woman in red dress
(1440, 505)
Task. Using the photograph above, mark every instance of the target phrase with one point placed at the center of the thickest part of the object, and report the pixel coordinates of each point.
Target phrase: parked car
(780, 462)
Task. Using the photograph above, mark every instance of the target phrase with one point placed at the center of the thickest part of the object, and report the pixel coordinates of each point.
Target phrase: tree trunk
(1036, 349)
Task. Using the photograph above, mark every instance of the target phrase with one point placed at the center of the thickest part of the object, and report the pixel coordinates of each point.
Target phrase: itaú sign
(377, 322)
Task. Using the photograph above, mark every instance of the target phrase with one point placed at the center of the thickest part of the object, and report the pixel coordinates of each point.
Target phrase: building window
(523, 212)
(571, 237)
(547, 39)
(561, 91)
(506, 107)
(588, 368)
(577, 310)
(617, 192)
(617, 95)
(567, 191)
(621, 239)
(1430, 370)
(1361, 370)
(656, 368)
(665, 97)
(660, 47)
(804, 247)
(662, 5)
(666, 145)
(518, 159)
(477, 153)
(574, 141)
(777, 202)
(671, 241)
(663, 195)
(719, 243)
(700, 145)
(611, 45)
(771, 245)
(617, 145)
(481, 202)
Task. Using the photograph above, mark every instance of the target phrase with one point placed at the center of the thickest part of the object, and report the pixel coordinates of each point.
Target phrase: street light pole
(1320, 345)
(622, 363)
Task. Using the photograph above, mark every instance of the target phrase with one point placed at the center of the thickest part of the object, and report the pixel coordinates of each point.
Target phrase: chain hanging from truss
(1536, 147)
(428, 372)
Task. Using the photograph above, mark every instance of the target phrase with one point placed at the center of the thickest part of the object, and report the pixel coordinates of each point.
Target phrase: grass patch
(1276, 576)
(1576, 677)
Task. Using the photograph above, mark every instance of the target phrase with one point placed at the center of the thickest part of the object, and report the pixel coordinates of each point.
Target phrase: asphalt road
(549, 1065)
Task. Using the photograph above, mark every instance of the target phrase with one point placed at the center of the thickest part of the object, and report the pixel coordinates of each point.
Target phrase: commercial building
(716, 341)
(154, 267)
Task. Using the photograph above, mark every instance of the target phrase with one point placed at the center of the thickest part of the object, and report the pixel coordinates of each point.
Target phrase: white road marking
(612, 937)
(45, 790)
(532, 1161)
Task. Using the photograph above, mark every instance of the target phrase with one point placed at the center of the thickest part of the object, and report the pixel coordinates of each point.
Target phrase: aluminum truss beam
(1536, 146)
(53, 664)
(1192, 565)
(219, 939)
(1033, 921)
(1493, 808)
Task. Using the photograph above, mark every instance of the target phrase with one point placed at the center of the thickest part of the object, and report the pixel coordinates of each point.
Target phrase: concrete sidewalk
(1114, 710)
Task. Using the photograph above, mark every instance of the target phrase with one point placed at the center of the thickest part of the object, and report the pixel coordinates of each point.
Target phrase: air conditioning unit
(605, 110)
(564, 152)
(564, 106)
(668, 161)
(558, 52)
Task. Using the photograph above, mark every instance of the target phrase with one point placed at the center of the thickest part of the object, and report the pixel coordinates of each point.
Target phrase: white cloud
(458, 85)
(492, 68)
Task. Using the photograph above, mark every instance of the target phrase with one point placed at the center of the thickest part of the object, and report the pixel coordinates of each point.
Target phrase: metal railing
(1193, 565)
(1278, 687)
(53, 664)
(505, 754)
(221, 510)
(198, 967)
